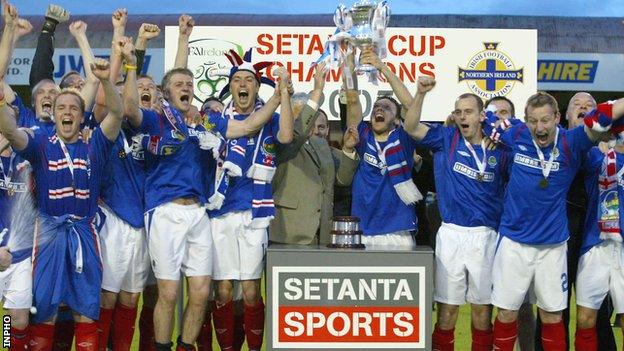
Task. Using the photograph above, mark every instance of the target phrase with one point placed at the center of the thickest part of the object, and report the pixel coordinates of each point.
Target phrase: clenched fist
(101, 69)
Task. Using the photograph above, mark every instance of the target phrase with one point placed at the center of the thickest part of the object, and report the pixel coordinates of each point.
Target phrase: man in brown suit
(308, 168)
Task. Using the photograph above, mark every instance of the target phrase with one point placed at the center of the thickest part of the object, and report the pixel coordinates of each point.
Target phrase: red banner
(318, 324)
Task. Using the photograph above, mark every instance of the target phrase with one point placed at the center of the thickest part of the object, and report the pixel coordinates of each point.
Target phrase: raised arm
(112, 122)
(8, 124)
(10, 17)
(350, 83)
(147, 32)
(131, 109)
(78, 30)
(119, 20)
(286, 122)
(306, 118)
(412, 123)
(252, 124)
(185, 24)
(42, 64)
(369, 56)
(605, 113)
(14, 29)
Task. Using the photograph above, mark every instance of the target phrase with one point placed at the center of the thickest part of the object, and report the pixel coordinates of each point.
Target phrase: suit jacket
(303, 185)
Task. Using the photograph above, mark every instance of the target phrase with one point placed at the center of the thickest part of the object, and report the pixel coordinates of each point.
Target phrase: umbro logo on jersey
(533, 162)
(522, 147)
(471, 172)
(373, 161)
(463, 153)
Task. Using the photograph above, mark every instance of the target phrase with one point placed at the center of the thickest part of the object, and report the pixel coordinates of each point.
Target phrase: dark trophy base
(346, 246)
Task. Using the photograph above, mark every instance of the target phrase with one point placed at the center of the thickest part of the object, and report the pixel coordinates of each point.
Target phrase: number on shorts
(564, 282)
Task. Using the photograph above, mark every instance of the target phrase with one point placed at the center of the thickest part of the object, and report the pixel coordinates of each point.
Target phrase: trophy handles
(381, 18)
(383, 12)
(342, 18)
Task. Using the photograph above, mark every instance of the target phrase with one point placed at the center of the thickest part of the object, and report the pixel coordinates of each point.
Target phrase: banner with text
(487, 62)
(66, 60)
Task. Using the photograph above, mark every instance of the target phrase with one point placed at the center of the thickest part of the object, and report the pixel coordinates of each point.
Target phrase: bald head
(581, 103)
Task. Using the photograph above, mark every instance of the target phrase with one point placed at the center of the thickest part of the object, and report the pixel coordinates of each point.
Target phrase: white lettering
(330, 287)
(293, 319)
(347, 289)
(292, 286)
(362, 289)
(387, 283)
(346, 324)
(403, 289)
(370, 290)
(310, 288)
(339, 324)
(382, 321)
(362, 321)
(471, 172)
(532, 162)
(312, 324)
(398, 320)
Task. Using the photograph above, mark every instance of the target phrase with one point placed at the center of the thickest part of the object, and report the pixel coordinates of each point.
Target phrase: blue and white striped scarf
(231, 161)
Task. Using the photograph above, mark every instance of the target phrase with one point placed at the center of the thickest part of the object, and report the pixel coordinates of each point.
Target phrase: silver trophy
(366, 23)
(346, 233)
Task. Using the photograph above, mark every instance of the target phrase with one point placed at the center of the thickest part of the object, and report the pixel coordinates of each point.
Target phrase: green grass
(462, 331)
(463, 334)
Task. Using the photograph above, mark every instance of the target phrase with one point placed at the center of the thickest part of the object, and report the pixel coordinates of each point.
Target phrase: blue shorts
(66, 267)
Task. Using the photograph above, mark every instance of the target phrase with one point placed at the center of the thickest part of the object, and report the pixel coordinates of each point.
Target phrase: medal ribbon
(480, 163)
(174, 119)
(546, 165)
(7, 176)
(381, 154)
(70, 162)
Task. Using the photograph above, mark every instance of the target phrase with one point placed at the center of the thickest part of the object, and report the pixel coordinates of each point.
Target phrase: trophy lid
(364, 3)
(346, 219)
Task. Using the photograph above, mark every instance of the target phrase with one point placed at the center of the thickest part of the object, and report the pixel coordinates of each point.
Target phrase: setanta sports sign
(348, 307)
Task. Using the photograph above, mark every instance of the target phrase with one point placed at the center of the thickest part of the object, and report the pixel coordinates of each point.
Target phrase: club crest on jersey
(209, 126)
(177, 135)
(169, 150)
(555, 152)
(267, 148)
(492, 161)
(490, 73)
(609, 208)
